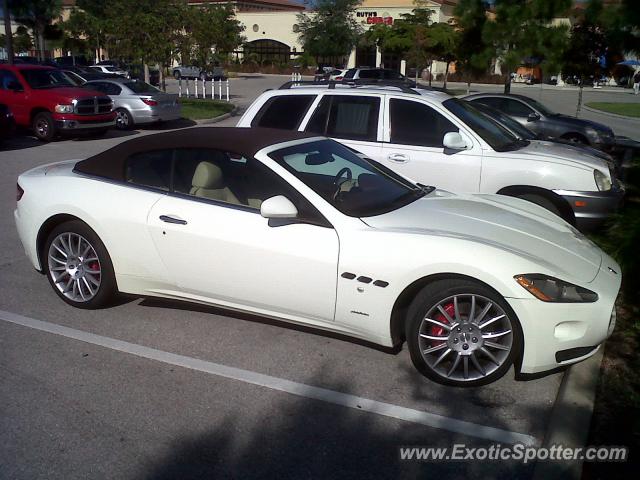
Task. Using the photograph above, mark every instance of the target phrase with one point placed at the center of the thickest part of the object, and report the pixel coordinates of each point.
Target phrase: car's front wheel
(44, 128)
(78, 266)
(461, 333)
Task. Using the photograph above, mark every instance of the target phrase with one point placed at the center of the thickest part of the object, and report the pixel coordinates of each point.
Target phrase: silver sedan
(137, 102)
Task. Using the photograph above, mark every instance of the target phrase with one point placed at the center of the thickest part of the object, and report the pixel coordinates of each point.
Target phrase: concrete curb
(608, 114)
(571, 418)
(206, 121)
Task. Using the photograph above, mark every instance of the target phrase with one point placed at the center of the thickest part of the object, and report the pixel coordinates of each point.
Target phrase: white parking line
(280, 384)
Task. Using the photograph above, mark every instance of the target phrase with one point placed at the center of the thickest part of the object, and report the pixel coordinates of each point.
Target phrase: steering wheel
(338, 183)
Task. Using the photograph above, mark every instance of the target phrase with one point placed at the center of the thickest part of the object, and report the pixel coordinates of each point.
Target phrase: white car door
(215, 244)
(353, 120)
(413, 147)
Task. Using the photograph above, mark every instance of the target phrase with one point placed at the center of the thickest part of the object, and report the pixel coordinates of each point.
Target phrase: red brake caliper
(96, 266)
(437, 331)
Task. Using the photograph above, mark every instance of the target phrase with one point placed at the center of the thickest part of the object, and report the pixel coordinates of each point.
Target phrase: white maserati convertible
(301, 228)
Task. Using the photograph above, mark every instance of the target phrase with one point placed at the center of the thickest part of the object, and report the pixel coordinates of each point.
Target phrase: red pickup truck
(45, 100)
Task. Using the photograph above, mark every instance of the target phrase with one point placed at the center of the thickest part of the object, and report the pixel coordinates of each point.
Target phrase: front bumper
(77, 123)
(592, 209)
(558, 334)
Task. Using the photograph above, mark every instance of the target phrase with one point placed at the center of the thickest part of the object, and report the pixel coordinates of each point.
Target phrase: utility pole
(7, 31)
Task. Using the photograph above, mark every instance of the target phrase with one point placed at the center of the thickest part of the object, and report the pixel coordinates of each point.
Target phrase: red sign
(385, 20)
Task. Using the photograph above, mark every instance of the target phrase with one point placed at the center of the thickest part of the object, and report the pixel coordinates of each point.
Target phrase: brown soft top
(242, 141)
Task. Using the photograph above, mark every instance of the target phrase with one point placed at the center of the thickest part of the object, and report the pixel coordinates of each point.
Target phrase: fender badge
(612, 270)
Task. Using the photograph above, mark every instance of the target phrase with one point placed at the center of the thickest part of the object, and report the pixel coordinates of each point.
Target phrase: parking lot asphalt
(139, 390)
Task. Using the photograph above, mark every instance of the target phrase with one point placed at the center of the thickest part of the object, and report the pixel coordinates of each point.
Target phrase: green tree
(331, 30)
(89, 22)
(21, 40)
(215, 30)
(473, 54)
(443, 43)
(523, 29)
(38, 16)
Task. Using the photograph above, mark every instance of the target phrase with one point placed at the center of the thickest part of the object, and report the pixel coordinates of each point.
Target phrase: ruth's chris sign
(372, 18)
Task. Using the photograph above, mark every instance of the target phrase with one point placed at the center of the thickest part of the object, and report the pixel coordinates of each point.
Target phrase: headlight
(549, 289)
(64, 108)
(602, 181)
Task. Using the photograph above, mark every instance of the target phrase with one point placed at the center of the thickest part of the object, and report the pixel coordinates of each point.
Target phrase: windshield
(497, 136)
(74, 78)
(541, 108)
(507, 121)
(353, 185)
(37, 78)
(140, 87)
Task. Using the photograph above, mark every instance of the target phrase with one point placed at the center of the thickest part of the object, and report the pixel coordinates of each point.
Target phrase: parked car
(71, 61)
(45, 100)
(137, 72)
(110, 69)
(194, 71)
(87, 74)
(524, 133)
(298, 227)
(373, 74)
(7, 123)
(540, 119)
(137, 103)
(435, 139)
(338, 74)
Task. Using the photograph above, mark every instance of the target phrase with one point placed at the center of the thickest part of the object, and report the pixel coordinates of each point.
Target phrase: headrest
(207, 175)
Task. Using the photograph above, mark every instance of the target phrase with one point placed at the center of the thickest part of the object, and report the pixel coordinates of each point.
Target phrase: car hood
(502, 222)
(579, 122)
(59, 94)
(554, 151)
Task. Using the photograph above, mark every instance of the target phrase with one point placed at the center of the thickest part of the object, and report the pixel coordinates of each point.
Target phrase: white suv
(434, 139)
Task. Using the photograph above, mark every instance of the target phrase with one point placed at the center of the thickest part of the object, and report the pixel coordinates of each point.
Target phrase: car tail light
(19, 192)
(150, 102)
(339, 78)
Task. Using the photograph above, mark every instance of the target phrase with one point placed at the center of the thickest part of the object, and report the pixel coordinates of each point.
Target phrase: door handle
(170, 219)
(398, 157)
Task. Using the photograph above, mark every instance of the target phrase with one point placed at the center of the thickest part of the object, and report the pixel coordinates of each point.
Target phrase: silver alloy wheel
(465, 337)
(74, 267)
(42, 127)
(122, 119)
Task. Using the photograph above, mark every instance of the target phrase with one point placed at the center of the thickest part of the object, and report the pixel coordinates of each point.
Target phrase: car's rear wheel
(203, 76)
(78, 266)
(177, 75)
(124, 120)
(461, 333)
(44, 128)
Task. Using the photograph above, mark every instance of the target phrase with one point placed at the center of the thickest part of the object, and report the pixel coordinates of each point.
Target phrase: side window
(369, 74)
(493, 102)
(150, 169)
(414, 123)
(318, 121)
(516, 108)
(7, 77)
(284, 112)
(99, 86)
(354, 118)
(230, 178)
(112, 89)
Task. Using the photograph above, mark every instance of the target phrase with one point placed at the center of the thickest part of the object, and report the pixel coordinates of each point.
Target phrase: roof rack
(403, 85)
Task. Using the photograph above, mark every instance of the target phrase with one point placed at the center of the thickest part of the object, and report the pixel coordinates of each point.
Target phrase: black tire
(43, 126)
(177, 75)
(105, 290)
(124, 120)
(203, 76)
(441, 291)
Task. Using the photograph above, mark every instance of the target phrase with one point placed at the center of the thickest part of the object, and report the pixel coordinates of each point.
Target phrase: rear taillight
(148, 101)
(19, 192)
(339, 78)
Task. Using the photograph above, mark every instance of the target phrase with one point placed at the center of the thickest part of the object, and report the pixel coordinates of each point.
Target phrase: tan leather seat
(208, 182)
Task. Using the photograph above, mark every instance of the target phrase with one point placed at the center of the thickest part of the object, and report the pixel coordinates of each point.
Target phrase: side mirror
(454, 141)
(533, 117)
(14, 86)
(278, 207)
